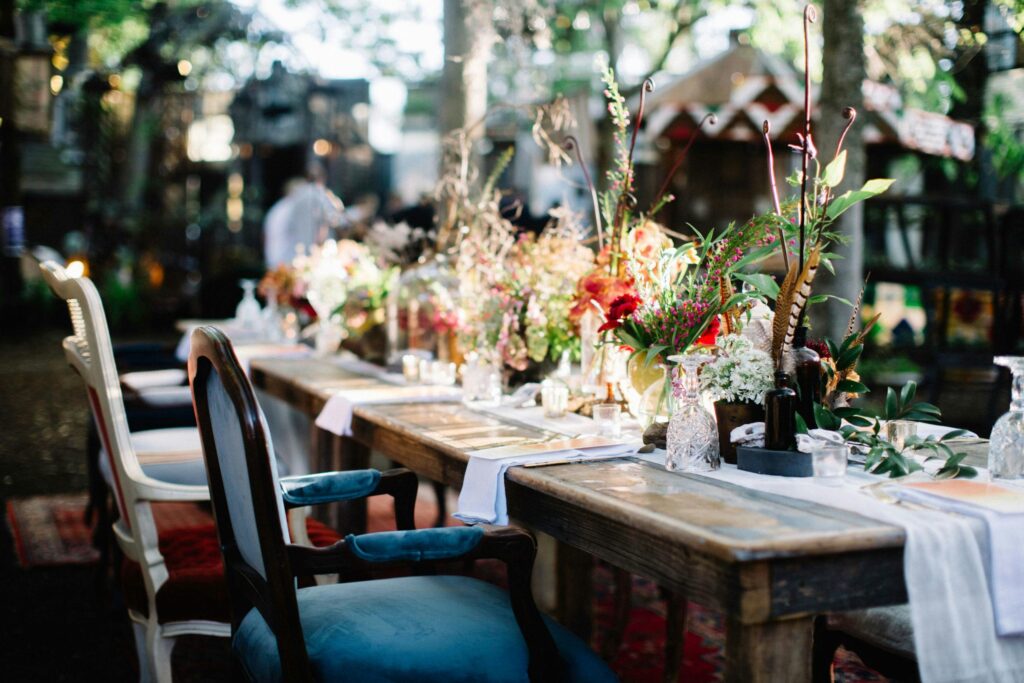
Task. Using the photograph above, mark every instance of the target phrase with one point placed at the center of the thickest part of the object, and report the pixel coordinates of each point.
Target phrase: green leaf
(852, 387)
(832, 350)
(825, 419)
(891, 404)
(908, 392)
(801, 424)
(762, 283)
(835, 170)
(848, 358)
(859, 421)
(956, 433)
(844, 201)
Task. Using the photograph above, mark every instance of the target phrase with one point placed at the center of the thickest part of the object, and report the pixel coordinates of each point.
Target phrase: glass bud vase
(692, 440)
(1006, 444)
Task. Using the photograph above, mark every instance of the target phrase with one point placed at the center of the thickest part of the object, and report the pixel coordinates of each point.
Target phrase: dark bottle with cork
(780, 414)
(807, 367)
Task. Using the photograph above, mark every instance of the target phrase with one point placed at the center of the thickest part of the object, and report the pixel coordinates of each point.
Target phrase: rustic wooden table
(769, 563)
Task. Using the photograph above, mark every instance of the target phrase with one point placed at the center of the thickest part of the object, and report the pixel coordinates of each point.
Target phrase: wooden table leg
(334, 453)
(621, 608)
(575, 571)
(675, 635)
(768, 652)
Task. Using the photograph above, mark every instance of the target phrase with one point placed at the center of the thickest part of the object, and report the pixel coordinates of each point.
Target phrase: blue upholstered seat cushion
(420, 628)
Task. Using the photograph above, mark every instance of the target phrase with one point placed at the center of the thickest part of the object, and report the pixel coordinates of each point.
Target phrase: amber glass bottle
(780, 414)
(807, 366)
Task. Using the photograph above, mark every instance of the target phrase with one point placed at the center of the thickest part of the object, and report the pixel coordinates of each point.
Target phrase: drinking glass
(554, 396)
(411, 368)
(607, 418)
(898, 431)
(1006, 444)
(829, 463)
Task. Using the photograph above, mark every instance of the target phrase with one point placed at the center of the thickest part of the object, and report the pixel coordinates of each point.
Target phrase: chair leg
(158, 653)
(824, 649)
(442, 504)
(675, 635)
(620, 614)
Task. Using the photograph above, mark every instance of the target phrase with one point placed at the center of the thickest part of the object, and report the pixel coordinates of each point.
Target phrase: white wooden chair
(134, 483)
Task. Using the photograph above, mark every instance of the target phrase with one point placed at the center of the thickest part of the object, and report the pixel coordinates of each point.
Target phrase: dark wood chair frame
(275, 596)
(828, 640)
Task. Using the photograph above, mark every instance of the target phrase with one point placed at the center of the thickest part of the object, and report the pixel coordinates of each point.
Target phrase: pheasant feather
(793, 296)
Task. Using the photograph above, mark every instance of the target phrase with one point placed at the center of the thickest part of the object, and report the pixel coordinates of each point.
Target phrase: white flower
(740, 372)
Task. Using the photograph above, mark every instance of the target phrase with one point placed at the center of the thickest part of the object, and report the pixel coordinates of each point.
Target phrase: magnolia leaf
(801, 425)
(852, 387)
(825, 419)
(835, 170)
(908, 392)
(859, 421)
(832, 350)
(892, 405)
(956, 433)
(763, 283)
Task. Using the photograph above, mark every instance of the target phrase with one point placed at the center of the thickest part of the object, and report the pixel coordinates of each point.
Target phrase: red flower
(711, 333)
(620, 309)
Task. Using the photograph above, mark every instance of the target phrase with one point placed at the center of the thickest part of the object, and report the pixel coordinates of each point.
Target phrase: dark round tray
(777, 463)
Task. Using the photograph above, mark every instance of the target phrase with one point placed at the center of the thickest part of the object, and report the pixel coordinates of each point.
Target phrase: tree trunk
(843, 76)
(467, 40)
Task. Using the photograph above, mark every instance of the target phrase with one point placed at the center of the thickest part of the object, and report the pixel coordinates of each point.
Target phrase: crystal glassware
(248, 314)
(1006, 444)
(692, 439)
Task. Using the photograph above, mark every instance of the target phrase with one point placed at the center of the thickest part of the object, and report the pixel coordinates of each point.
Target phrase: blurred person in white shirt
(307, 214)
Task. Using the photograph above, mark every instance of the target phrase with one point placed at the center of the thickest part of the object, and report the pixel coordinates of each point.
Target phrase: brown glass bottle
(780, 414)
(807, 366)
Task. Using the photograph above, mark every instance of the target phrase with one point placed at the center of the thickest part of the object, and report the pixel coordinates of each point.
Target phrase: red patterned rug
(50, 531)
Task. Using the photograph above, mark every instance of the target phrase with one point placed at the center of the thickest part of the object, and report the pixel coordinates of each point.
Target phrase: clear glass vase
(1006, 444)
(692, 439)
(248, 314)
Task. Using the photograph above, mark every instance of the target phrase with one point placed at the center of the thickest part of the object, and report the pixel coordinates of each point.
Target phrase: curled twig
(766, 130)
(572, 144)
(709, 119)
(850, 114)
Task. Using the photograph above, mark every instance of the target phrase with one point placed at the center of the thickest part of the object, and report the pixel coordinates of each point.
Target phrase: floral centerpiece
(517, 293)
(346, 286)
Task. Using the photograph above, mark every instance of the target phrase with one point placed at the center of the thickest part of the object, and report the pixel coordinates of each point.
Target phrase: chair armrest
(330, 487)
(150, 489)
(515, 547)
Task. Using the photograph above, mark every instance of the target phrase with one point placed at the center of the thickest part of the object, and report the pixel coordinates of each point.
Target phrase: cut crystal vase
(692, 440)
(1006, 444)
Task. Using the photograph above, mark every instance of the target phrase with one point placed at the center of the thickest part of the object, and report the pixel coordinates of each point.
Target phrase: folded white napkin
(147, 379)
(336, 416)
(482, 498)
(1002, 510)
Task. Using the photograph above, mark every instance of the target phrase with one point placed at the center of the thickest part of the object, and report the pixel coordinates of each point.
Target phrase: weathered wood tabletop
(770, 563)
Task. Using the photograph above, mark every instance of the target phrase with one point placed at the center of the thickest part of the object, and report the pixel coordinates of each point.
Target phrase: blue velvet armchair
(423, 627)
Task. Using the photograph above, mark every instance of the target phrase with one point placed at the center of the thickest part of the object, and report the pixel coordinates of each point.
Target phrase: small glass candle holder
(442, 373)
(829, 463)
(898, 431)
(554, 396)
(426, 371)
(411, 367)
(608, 418)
